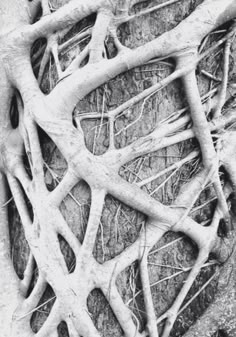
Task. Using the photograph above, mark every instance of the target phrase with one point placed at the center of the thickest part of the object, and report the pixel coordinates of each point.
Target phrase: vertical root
(28, 273)
(223, 90)
(172, 313)
(97, 203)
(122, 313)
(202, 131)
(151, 317)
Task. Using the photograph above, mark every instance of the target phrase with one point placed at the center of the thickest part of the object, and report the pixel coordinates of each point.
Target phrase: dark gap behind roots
(14, 113)
(45, 305)
(62, 330)
(80, 26)
(37, 52)
(19, 246)
(105, 322)
(55, 165)
(68, 254)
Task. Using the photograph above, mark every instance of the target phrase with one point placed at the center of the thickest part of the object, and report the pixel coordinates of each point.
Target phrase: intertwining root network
(29, 41)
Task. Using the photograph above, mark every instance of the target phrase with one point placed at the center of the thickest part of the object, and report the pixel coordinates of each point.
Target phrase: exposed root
(149, 306)
(203, 134)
